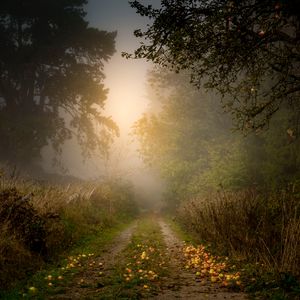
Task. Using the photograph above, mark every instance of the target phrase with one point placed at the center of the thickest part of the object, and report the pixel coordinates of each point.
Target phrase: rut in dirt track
(181, 284)
(103, 263)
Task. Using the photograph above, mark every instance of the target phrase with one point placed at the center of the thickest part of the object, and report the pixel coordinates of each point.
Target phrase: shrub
(15, 259)
(20, 218)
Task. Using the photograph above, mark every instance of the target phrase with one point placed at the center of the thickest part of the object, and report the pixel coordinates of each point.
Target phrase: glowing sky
(124, 78)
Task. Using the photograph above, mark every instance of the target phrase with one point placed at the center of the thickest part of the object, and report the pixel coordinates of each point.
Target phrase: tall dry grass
(259, 227)
(39, 221)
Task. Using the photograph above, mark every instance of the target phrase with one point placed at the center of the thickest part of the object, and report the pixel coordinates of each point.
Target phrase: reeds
(256, 226)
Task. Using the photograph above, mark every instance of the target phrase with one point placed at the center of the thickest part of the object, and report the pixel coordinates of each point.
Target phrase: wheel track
(92, 281)
(182, 283)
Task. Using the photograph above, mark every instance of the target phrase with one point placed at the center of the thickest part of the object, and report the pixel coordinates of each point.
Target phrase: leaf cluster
(191, 142)
(247, 50)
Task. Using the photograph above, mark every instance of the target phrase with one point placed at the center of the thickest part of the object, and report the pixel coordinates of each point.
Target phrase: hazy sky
(124, 78)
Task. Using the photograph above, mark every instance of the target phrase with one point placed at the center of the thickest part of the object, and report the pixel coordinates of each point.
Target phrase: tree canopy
(51, 79)
(248, 50)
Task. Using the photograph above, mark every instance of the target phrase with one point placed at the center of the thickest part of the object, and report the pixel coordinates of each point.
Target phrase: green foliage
(247, 50)
(190, 141)
(240, 194)
(178, 138)
(51, 82)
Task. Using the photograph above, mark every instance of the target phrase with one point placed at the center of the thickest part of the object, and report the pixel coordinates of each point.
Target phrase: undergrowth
(40, 222)
(259, 231)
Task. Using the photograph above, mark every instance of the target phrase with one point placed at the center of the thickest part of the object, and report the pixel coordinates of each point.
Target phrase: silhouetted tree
(249, 50)
(51, 74)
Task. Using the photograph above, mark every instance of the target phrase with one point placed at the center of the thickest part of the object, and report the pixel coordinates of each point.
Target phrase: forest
(219, 132)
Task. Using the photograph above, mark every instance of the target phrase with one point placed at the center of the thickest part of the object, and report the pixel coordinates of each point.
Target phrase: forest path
(149, 261)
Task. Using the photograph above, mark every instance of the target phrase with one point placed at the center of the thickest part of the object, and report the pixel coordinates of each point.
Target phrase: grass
(265, 284)
(249, 224)
(190, 238)
(40, 222)
(62, 272)
(142, 265)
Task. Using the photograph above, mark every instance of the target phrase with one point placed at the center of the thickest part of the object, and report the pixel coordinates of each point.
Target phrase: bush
(15, 259)
(20, 218)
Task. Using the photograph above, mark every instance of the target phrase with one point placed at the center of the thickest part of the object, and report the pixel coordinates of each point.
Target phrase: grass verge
(53, 278)
(39, 222)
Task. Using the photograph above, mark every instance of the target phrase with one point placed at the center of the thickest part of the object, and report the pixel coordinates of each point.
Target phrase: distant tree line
(188, 138)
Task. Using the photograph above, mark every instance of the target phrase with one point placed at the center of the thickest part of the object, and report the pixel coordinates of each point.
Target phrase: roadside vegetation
(41, 224)
(228, 149)
(264, 253)
(238, 193)
(222, 131)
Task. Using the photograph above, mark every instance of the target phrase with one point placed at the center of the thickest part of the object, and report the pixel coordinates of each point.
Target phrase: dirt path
(87, 283)
(182, 284)
(97, 277)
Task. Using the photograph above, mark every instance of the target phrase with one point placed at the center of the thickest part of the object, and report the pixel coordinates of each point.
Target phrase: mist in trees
(216, 151)
(51, 86)
(224, 109)
(194, 145)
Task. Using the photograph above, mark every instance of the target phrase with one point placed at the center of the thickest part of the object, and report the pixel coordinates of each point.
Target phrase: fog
(146, 139)
(126, 102)
(184, 136)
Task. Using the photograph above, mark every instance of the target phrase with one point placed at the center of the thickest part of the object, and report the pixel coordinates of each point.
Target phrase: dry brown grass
(39, 221)
(15, 259)
(250, 225)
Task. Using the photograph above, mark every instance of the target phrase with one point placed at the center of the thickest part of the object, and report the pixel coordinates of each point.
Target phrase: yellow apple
(32, 289)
